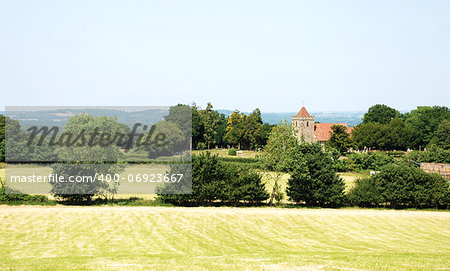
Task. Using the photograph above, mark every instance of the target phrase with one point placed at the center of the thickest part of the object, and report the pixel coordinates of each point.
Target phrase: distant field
(142, 238)
(350, 178)
(267, 177)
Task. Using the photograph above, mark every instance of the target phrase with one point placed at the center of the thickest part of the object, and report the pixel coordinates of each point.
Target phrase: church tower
(303, 126)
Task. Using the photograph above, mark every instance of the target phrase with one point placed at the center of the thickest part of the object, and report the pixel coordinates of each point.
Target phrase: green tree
(442, 137)
(2, 138)
(281, 154)
(434, 154)
(88, 161)
(380, 113)
(316, 182)
(210, 122)
(16, 145)
(244, 185)
(399, 136)
(365, 193)
(198, 128)
(369, 135)
(221, 130)
(174, 142)
(252, 129)
(266, 129)
(181, 115)
(401, 185)
(212, 181)
(236, 129)
(426, 120)
(340, 139)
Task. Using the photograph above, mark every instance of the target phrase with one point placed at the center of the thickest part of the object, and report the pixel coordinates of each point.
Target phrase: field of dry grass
(142, 238)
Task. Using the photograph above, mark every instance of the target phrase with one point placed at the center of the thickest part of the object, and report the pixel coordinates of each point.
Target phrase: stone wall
(443, 169)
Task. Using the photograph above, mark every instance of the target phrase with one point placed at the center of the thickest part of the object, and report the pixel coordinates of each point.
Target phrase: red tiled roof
(303, 113)
(323, 130)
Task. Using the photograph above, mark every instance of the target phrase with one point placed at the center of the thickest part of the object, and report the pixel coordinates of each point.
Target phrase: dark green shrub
(365, 193)
(316, 183)
(371, 160)
(232, 152)
(10, 196)
(341, 165)
(432, 155)
(244, 185)
(401, 185)
(216, 181)
(396, 154)
(201, 145)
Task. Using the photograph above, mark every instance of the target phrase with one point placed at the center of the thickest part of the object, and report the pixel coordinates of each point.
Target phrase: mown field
(224, 153)
(142, 238)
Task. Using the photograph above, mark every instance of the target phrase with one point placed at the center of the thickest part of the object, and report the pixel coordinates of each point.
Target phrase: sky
(273, 55)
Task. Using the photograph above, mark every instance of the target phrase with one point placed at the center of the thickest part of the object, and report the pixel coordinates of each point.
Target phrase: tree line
(212, 129)
(312, 178)
(384, 128)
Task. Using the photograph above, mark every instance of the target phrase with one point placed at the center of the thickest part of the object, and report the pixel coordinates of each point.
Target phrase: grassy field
(224, 153)
(268, 178)
(142, 238)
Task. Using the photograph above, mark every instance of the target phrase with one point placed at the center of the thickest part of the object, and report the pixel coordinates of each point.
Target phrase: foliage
(197, 128)
(181, 116)
(174, 142)
(210, 128)
(340, 139)
(215, 181)
(433, 154)
(87, 161)
(2, 138)
(232, 152)
(235, 129)
(12, 197)
(371, 160)
(278, 195)
(247, 131)
(210, 122)
(426, 120)
(401, 185)
(369, 135)
(201, 145)
(365, 193)
(442, 135)
(315, 183)
(397, 135)
(281, 150)
(380, 113)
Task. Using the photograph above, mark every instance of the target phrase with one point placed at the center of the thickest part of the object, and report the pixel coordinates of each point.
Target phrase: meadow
(142, 238)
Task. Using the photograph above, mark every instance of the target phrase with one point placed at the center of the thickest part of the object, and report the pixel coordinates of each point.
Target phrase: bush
(396, 154)
(341, 165)
(201, 145)
(433, 155)
(216, 181)
(316, 183)
(13, 197)
(365, 193)
(372, 160)
(401, 185)
(232, 152)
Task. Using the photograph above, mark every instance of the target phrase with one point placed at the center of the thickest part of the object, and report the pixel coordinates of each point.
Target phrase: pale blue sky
(333, 55)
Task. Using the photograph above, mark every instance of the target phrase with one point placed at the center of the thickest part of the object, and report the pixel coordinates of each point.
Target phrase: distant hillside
(152, 116)
(351, 118)
(59, 117)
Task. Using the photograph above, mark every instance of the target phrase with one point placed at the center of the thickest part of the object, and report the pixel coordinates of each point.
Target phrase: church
(309, 131)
